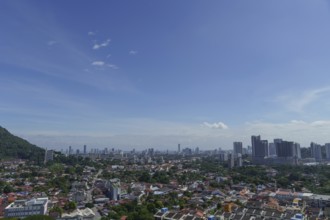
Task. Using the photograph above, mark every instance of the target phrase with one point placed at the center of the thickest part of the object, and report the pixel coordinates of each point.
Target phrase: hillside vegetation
(13, 147)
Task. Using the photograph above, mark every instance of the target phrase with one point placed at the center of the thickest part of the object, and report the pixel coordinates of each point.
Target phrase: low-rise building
(78, 214)
(24, 208)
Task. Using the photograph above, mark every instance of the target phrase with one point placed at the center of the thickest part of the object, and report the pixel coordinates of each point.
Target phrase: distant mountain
(15, 147)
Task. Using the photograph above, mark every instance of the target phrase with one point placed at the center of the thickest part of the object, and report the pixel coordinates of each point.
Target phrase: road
(89, 196)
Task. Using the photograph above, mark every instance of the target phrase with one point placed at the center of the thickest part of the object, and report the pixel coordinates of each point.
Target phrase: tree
(39, 217)
(56, 168)
(145, 177)
(159, 204)
(70, 206)
(89, 205)
(151, 208)
(8, 189)
(294, 176)
(56, 209)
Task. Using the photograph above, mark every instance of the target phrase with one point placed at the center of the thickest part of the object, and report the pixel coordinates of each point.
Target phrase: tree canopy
(15, 147)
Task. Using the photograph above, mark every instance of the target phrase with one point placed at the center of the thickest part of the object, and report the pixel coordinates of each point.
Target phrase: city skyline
(155, 74)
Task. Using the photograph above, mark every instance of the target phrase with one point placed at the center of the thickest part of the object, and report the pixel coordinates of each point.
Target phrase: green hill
(15, 147)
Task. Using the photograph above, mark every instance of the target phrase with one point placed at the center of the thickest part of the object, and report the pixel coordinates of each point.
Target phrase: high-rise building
(277, 140)
(70, 150)
(316, 151)
(272, 149)
(298, 151)
(151, 151)
(327, 151)
(238, 148)
(179, 148)
(239, 160)
(287, 152)
(223, 156)
(49, 155)
(249, 150)
(285, 149)
(259, 148)
(231, 161)
(264, 144)
(85, 149)
(114, 189)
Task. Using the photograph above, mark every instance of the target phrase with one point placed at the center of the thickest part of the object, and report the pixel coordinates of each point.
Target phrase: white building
(239, 160)
(24, 208)
(231, 161)
(115, 189)
(49, 155)
(78, 214)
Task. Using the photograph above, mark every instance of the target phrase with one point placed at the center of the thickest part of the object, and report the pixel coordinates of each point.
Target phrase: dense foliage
(33, 217)
(12, 146)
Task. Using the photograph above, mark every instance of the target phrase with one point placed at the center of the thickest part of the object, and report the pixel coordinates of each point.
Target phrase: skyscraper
(231, 161)
(298, 151)
(179, 148)
(259, 147)
(272, 149)
(239, 160)
(277, 140)
(285, 149)
(49, 155)
(316, 151)
(238, 148)
(327, 151)
(85, 149)
(223, 156)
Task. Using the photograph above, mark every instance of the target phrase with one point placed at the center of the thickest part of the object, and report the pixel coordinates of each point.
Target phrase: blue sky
(136, 74)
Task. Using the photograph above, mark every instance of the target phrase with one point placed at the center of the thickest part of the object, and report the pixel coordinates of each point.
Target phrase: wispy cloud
(132, 52)
(103, 44)
(297, 103)
(91, 33)
(98, 63)
(51, 42)
(113, 66)
(216, 125)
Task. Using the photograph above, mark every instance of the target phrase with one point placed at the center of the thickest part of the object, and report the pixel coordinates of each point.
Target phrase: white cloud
(91, 33)
(98, 63)
(51, 42)
(113, 66)
(320, 124)
(104, 44)
(133, 52)
(297, 103)
(297, 122)
(219, 125)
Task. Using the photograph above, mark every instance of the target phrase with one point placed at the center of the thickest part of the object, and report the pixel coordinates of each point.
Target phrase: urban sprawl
(270, 181)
